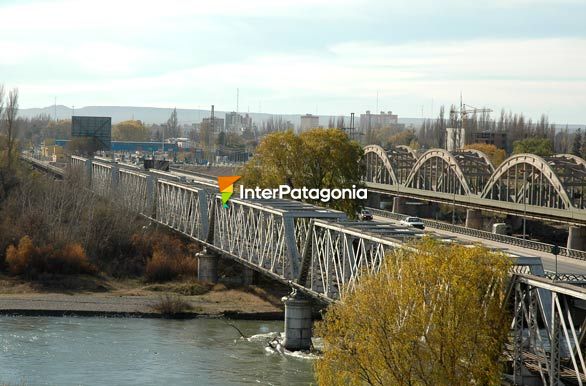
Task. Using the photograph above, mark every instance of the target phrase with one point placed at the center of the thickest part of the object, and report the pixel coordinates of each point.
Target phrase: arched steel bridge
(549, 188)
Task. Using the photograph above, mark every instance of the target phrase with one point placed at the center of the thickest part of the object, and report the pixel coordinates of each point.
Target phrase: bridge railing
(266, 235)
(544, 341)
(516, 241)
(336, 254)
(180, 207)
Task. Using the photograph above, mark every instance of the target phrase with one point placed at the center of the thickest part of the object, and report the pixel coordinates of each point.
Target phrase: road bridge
(545, 188)
(321, 255)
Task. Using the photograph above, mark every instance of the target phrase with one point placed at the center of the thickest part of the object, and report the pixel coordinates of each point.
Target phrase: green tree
(221, 140)
(577, 144)
(130, 131)
(432, 315)
(316, 159)
(538, 146)
(172, 128)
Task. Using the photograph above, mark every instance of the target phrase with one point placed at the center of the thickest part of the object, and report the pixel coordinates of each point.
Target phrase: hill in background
(189, 116)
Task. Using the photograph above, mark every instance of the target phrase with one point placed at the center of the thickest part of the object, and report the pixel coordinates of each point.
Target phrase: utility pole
(211, 132)
(237, 99)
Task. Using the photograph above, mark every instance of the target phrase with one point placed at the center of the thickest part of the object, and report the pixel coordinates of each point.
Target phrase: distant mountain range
(187, 116)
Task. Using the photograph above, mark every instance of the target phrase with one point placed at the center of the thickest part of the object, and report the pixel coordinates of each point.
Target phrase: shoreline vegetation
(64, 251)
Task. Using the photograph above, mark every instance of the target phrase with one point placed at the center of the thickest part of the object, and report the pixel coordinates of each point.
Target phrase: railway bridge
(321, 255)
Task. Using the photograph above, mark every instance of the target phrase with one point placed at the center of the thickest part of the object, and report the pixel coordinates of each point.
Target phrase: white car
(414, 222)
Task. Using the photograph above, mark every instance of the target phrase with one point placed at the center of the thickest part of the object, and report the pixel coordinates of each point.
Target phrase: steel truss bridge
(547, 188)
(322, 254)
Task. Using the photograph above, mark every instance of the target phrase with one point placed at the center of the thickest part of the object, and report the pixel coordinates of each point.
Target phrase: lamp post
(524, 201)
(454, 194)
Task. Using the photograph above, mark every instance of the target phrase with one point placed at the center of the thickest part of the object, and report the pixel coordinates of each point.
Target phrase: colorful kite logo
(226, 184)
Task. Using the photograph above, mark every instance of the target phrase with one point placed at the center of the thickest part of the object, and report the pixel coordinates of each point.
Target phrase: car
(414, 222)
(365, 215)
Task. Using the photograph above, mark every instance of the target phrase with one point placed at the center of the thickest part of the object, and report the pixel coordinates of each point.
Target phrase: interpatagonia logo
(226, 184)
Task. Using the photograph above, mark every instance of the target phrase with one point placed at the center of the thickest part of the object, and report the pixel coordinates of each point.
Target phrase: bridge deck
(565, 264)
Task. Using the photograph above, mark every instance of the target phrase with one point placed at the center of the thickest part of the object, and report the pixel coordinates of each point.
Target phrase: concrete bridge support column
(399, 205)
(577, 238)
(474, 218)
(373, 200)
(247, 275)
(298, 322)
(207, 266)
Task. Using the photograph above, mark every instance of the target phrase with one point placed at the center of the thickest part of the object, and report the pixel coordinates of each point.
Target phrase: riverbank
(87, 296)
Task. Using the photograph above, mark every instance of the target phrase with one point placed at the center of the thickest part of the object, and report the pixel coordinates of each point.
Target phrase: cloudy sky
(298, 56)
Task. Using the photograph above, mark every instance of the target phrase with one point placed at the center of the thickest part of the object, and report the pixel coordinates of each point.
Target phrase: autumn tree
(496, 155)
(534, 145)
(406, 137)
(316, 159)
(432, 315)
(130, 131)
(60, 129)
(85, 146)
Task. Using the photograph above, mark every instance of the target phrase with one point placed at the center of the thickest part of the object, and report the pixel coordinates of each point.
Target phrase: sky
(299, 56)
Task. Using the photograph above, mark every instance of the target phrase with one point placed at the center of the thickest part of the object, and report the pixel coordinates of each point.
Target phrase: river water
(127, 351)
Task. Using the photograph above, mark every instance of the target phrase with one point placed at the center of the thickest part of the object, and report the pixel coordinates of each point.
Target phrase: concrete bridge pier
(516, 223)
(399, 205)
(577, 238)
(298, 322)
(474, 218)
(207, 266)
(373, 200)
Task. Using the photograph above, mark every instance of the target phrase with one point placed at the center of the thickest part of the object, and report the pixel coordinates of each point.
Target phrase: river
(127, 351)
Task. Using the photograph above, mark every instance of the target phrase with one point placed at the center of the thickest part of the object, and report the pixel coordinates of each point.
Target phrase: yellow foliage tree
(316, 159)
(130, 131)
(431, 316)
(496, 155)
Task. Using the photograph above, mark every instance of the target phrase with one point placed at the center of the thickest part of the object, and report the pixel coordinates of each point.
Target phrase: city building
(496, 138)
(132, 146)
(378, 121)
(455, 138)
(236, 122)
(218, 125)
(309, 121)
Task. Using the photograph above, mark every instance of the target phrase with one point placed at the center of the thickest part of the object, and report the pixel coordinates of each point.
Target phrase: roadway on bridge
(565, 264)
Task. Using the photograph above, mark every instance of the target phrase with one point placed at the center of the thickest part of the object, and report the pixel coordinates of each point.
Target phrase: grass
(186, 288)
(171, 305)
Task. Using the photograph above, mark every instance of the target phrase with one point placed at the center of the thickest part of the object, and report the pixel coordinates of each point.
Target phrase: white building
(377, 121)
(455, 138)
(309, 121)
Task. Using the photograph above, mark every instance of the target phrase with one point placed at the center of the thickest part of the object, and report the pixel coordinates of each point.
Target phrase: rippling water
(120, 351)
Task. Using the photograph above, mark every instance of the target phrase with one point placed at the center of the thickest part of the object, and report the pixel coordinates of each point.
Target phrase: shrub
(170, 260)
(170, 305)
(30, 261)
(162, 267)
